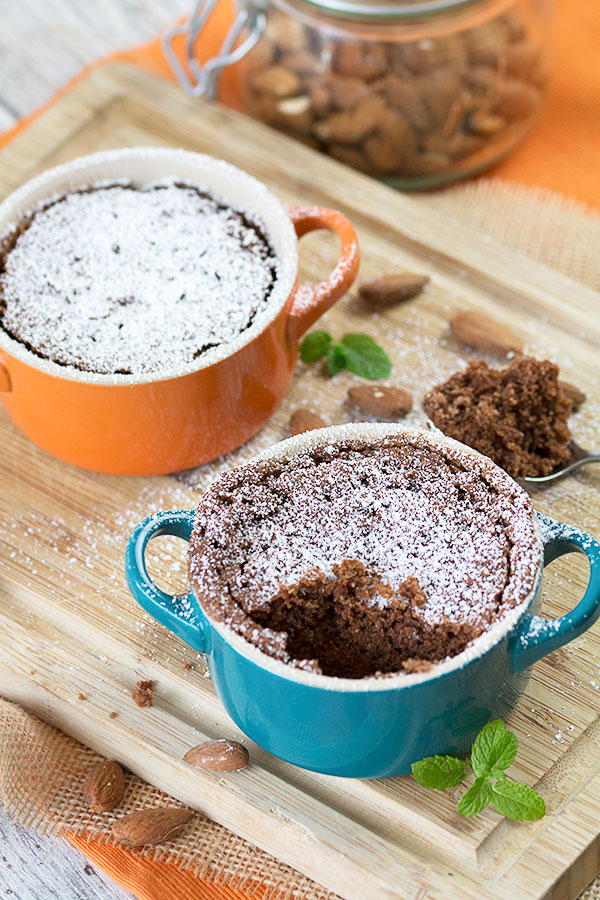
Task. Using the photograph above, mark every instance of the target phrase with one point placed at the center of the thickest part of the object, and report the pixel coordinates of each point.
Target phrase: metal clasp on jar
(202, 80)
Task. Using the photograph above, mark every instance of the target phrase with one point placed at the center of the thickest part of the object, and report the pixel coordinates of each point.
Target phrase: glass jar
(417, 93)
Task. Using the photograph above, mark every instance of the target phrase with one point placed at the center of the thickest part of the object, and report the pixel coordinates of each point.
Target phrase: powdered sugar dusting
(135, 280)
(450, 519)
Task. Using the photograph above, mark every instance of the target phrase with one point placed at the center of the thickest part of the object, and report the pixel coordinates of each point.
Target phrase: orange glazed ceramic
(145, 425)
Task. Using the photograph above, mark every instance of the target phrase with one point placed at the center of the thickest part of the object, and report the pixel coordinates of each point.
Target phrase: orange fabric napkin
(148, 879)
(562, 154)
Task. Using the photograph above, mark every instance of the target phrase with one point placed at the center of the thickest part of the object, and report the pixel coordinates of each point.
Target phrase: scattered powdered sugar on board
(456, 524)
(117, 279)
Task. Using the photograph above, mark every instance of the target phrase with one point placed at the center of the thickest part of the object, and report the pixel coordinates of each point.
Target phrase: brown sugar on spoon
(517, 416)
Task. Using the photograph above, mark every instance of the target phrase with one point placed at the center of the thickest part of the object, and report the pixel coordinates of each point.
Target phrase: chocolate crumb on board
(112, 715)
(144, 694)
(517, 416)
(81, 696)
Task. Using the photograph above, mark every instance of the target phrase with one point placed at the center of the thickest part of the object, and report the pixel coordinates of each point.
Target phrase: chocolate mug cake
(112, 278)
(364, 557)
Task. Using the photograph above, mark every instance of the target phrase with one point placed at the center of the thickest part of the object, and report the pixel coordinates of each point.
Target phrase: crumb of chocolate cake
(364, 558)
(81, 696)
(144, 694)
(517, 416)
(117, 279)
(112, 715)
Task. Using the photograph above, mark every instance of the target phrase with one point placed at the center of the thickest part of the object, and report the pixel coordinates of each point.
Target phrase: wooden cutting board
(68, 624)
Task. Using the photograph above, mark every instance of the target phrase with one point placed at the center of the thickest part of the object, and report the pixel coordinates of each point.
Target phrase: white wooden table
(43, 44)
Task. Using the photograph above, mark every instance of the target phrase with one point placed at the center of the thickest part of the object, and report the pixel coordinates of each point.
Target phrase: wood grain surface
(68, 624)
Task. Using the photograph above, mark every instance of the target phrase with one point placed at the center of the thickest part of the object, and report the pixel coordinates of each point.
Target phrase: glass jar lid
(386, 10)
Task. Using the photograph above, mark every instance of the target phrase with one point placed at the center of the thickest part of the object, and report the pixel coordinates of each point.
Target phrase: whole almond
(385, 159)
(320, 98)
(516, 100)
(392, 288)
(295, 113)
(220, 756)
(573, 393)
(150, 826)
(441, 92)
(338, 128)
(407, 98)
(397, 132)
(481, 121)
(383, 402)
(428, 163)
(350, 156)
(346, 91)
(368, 113)
(304, 420)
(288, 33)
(522, 59)
(482, 332)
(303, 62)
(104, 786)
(421, 56)
(363, 60)
(276, 81)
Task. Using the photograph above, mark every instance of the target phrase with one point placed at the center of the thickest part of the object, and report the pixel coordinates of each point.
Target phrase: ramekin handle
(534, 636)
(179, 614)
(310, 303)
(5, 383)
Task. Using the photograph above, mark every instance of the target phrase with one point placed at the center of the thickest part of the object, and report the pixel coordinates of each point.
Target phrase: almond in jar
(417, 93)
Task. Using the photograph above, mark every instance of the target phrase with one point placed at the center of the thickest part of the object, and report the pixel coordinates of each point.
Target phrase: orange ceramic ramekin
(144, 425)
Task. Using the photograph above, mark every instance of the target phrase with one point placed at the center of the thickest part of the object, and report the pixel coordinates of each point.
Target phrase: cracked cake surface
(116, 279)
(362, 557)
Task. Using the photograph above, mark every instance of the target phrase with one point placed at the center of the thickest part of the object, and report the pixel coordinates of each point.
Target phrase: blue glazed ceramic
(366, 728)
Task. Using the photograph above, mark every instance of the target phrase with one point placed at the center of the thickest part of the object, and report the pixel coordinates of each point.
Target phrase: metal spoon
(578, 457)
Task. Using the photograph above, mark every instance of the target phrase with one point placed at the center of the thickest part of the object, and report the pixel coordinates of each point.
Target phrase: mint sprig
(314, 346)
(358, 353)
(439, 772)
(493, 751)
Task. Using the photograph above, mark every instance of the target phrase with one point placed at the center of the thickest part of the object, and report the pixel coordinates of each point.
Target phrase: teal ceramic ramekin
(370, 727)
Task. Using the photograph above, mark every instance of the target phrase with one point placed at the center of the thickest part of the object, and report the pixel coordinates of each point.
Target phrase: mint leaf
(494, 748)
(314, 346)
(517, 801)
(364, 357)
(439, 772)
(476, 798)
(336, 359)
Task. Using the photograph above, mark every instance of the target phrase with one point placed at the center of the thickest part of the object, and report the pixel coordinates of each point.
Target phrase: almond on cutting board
(383, 402)
(573, 393)
(150, 826)
(219, 756)
(104, 786)
(304, 420)
(392, 288)
(483, 333)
